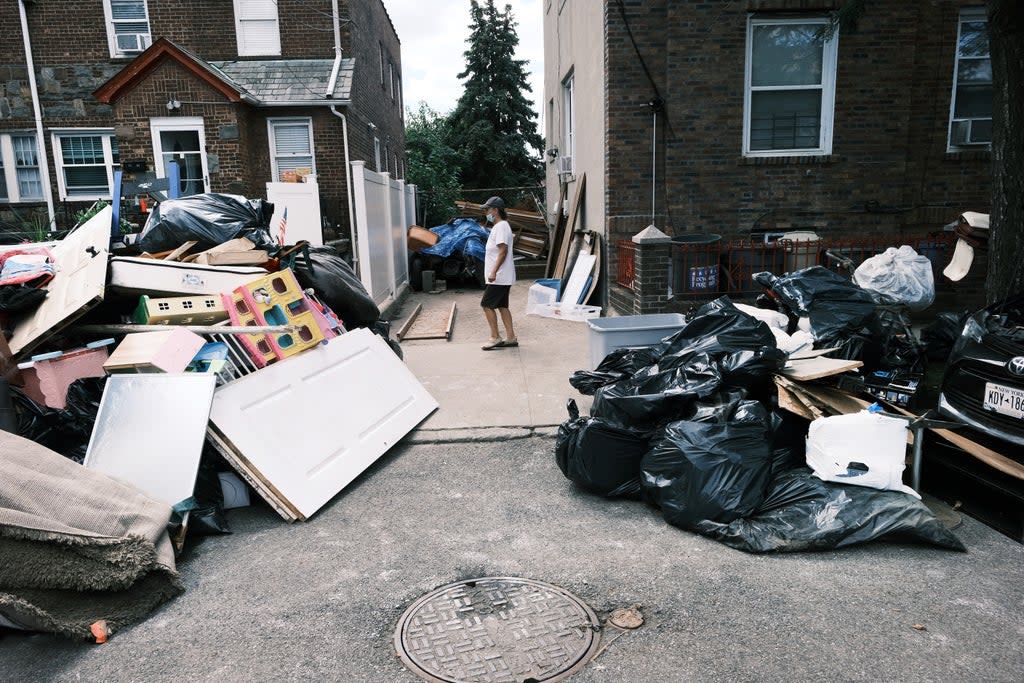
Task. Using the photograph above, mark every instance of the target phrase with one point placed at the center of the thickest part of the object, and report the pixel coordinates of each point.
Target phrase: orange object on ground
(100, 631)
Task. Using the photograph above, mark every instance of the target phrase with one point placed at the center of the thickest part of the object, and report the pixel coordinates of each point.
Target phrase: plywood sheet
(311, 424)
(816, 368)
(81, 260)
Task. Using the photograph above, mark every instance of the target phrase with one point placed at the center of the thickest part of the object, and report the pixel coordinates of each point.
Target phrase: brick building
(239, 92)
(759, 125)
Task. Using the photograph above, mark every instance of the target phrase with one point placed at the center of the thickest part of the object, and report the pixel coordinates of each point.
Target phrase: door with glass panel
(181, 140)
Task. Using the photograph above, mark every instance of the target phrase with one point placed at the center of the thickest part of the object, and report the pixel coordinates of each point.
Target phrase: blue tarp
(462, 235)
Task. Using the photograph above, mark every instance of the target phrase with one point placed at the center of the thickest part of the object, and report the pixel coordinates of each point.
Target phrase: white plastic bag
(860, 448)
(899, 274)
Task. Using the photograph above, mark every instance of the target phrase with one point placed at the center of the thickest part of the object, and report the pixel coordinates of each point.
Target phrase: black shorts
(495, 296)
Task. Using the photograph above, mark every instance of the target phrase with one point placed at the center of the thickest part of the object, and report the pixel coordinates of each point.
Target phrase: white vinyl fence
(384, 210)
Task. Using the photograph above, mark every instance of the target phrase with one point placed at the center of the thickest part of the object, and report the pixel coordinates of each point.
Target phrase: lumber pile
(529, 227)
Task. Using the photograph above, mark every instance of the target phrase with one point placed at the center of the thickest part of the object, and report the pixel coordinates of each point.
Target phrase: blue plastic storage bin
(608, 334)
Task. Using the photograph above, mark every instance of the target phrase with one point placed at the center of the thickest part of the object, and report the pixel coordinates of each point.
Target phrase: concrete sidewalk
(509, 390)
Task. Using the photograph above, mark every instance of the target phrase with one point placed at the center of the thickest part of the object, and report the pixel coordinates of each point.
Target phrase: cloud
(433, 36)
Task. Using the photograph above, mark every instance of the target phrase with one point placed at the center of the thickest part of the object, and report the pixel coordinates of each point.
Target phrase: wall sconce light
(553, 152)
(173, 104)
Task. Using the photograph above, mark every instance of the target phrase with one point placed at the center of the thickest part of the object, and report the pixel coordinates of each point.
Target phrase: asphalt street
(319, 601)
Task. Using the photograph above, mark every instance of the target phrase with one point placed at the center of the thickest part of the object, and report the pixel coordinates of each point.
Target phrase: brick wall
(889, 168)
(73, 59)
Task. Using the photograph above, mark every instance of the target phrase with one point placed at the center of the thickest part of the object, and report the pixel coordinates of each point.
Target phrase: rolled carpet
(77, 546)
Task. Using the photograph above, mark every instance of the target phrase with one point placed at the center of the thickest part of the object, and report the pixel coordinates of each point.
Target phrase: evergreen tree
(493, 126)
(432, 164)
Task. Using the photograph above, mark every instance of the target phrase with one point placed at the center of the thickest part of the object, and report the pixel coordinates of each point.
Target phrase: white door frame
(159, 124)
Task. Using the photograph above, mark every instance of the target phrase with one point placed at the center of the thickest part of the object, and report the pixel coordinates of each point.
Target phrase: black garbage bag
(17, 299)
(742, 347)
(209, 219)
(833, 305)
(599, 457)
(65, 431)
(720, 347)
(802, 512)
(939, 337)
(618, 365)
(652, 397)
(716, 469)
(337, 285)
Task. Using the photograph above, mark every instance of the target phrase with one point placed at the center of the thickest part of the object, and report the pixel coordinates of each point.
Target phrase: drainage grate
(497, 630)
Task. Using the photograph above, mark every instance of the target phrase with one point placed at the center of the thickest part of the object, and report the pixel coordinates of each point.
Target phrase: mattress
(131, 275)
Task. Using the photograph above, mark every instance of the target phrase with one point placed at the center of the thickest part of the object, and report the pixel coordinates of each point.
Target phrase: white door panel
(313, 423)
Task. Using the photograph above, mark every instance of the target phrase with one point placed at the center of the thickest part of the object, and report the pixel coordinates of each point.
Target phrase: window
(127, 27)
(400, 111)
(291, 148)
(380, 49)
(790, 88)
(970, 110)
(256, 28)
(391, 79)
(20, 162)
(569, 121)
(85, 163)
(376, 153)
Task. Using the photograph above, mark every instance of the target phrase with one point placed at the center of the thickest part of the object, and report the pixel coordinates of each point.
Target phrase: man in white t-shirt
(500, 273)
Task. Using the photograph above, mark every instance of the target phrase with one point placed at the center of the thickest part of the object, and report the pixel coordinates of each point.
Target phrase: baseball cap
(494, 203)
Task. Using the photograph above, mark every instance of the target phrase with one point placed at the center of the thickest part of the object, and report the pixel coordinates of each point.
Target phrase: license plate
(1005, 400)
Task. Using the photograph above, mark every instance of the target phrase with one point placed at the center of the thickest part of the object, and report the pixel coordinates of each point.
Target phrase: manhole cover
(497, 630)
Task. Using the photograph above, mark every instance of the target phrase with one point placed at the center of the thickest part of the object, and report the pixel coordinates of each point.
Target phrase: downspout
(348, 187)
(44, 166)
(335, 15)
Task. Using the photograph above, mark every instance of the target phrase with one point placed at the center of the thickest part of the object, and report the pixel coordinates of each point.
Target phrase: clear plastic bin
(608, 334)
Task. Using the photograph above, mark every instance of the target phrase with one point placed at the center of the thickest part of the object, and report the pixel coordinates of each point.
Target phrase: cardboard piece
(169, 351)
(818, 367)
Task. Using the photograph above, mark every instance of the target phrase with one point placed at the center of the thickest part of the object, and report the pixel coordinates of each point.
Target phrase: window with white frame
(85, 162)
(256, 28)
(380, 51)
(291, 148)
(790, 87)
(376, 153)
(20, 162)
(568, 154)
(127, 27)
(970, 109)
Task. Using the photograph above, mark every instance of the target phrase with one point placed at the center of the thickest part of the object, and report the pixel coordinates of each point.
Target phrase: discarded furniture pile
(528, 227)
(145, 393)
(777, 427)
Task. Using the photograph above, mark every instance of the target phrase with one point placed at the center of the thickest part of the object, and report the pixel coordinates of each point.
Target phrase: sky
(433, 35)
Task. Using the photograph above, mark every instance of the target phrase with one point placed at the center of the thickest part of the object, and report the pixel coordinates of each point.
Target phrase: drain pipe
(336, 16)
(348, 187)
(44, 166)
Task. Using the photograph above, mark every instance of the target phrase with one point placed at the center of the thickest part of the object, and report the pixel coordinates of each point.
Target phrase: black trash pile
(691, 426)
(841, 315)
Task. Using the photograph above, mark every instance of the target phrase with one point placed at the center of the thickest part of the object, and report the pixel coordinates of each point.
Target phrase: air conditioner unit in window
(132, 42)
(565, 165)
(967, 132)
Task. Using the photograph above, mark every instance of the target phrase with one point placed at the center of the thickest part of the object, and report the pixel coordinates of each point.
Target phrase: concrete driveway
(523, 388)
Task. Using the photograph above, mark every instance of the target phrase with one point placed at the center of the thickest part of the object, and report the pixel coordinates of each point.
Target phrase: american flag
(283, 227)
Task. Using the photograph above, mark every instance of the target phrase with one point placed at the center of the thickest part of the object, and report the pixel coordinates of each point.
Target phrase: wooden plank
(988, 456)
(558, 234)
(570, 228)
(816, 368)
(811, 353)
(404, 329)
(175, 254)
(451, 322)
(244, 468)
